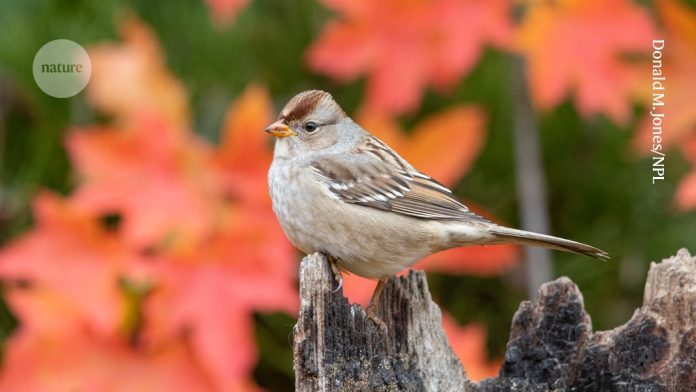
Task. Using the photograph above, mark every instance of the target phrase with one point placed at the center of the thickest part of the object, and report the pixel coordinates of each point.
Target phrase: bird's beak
(280, 129)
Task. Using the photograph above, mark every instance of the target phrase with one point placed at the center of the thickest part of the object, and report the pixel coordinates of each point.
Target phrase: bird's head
(311, 122)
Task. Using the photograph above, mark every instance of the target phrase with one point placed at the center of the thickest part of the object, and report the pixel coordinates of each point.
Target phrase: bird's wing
(375, 176)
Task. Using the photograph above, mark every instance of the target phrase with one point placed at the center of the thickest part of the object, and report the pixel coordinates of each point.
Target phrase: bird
(337, 189)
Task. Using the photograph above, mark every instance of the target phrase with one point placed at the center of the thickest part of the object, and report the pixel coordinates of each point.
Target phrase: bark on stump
(551, 346)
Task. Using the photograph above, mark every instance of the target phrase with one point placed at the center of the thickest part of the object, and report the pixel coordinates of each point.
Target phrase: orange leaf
(225, 11)
(77, 361)
(686, 192)
(245, 154)
(677, 126)
(155, 178)
(404, 46)
(443, 145)
(196, 226)
(678, 60)
(358, 290)
(245, 146)
(679, 20)
(131, 78)
(469, 343)
(71, 257)
(198, 301)
(580, 47)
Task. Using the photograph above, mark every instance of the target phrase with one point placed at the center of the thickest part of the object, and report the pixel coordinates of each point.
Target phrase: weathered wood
(551, 346)
(337, 347)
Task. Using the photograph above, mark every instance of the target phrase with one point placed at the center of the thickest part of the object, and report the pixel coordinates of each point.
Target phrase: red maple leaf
(131, 78)
(69, 254)
(581, 47)
(673, 123)
(196, 230)
(146, 174)
(63, 283)
(245, 154)
(469, 343)
(405, 46)
(73, 358)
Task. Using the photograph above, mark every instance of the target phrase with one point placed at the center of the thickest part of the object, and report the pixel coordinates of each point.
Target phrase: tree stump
(551, 346)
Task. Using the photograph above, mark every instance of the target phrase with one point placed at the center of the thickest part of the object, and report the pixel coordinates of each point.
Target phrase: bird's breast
(369, 242)
(292, 199)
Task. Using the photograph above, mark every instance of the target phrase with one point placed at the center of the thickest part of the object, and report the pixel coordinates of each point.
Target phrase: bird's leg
(333, 262)
(374, 301)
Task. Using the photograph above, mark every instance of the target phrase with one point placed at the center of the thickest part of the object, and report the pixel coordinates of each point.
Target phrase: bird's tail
(504, 234)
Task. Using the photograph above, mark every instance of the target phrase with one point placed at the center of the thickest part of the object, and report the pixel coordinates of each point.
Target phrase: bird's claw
(339, 278)
(337, 274)
(372, 315)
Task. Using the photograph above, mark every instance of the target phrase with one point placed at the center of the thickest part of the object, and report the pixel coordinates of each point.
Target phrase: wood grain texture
(551, 347)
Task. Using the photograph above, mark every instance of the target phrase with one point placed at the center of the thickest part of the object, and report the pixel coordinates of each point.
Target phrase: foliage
(405, 46)
(155, 262)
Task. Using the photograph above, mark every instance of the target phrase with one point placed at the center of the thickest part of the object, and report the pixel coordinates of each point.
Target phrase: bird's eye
(311, 126)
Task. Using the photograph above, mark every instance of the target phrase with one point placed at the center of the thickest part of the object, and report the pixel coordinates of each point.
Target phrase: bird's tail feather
(534, 239)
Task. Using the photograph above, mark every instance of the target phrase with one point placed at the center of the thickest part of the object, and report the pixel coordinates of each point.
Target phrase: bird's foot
(372, 315)
(333, 262)
(339, 279)
(372, 307)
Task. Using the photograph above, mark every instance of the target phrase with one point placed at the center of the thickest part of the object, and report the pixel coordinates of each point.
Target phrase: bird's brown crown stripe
(304, 105)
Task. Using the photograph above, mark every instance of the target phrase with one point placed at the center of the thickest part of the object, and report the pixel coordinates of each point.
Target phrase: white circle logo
(62, 68)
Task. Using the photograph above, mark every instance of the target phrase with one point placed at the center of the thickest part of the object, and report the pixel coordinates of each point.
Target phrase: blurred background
(138, 250)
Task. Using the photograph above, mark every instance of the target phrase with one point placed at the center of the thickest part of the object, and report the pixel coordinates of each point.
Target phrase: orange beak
(280, 129)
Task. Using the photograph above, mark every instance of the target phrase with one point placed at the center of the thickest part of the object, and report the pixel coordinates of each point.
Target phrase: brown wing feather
(372, 181)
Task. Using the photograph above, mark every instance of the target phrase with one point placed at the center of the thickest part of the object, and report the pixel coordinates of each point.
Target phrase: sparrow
(339, 190)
